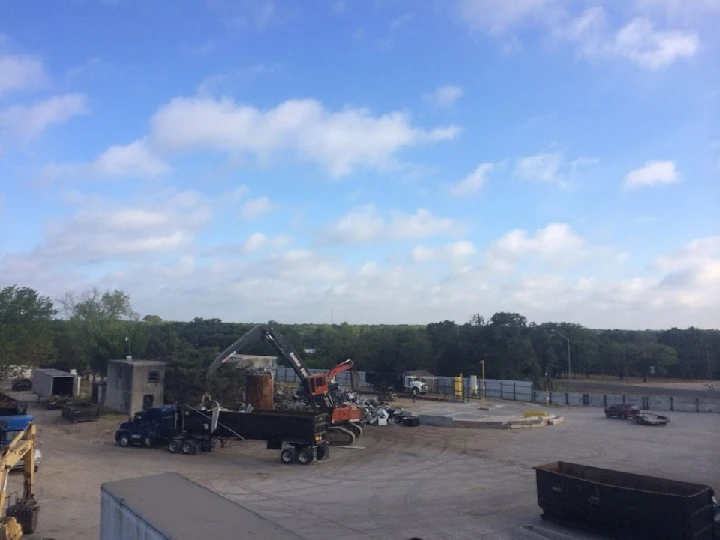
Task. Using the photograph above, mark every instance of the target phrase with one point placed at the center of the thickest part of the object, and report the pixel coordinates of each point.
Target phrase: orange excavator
(347, 365)
(345, 417)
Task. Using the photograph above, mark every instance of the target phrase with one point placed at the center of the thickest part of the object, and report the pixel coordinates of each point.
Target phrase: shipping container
(170, 506)
(633, 505)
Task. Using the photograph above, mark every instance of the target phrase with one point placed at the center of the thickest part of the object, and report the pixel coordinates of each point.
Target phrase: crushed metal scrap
(374, 411)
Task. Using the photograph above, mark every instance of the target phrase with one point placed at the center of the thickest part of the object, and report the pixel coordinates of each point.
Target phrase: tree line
(82, 330)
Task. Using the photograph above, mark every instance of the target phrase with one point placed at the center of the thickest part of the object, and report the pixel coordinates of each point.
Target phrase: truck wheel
(174, 447)
(305, 456)
(147, 441)
(288, 456)
(323, 452)
(189, 448)
(123, 441)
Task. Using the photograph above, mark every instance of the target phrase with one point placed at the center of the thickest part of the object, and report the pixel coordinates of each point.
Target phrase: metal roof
(54, 372)
(139, 362)
(180, 509)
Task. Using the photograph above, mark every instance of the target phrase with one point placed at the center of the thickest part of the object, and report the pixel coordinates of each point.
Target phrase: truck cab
(415, 385)
(148, 427)
(11, 427)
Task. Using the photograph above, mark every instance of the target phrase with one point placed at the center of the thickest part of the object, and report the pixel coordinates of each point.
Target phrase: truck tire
(124, 441)
(323, 452)
(174, 446)
(189, 447)
(288, 456)
(147, 442)
(305, 456)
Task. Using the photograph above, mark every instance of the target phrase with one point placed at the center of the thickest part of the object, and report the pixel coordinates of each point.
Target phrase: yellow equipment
(20, 517)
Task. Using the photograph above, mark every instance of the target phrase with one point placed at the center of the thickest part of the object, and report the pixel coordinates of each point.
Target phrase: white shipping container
(169, 506)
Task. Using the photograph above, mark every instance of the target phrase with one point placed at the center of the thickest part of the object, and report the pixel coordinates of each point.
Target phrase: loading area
(395, 482)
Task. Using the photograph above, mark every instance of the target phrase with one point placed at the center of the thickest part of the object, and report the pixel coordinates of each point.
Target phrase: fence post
(697, 404)
(604, 400)
(672, 404)
(567, 398)
(514, 392)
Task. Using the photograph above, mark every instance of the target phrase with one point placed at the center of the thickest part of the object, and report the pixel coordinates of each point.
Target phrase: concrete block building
(134, 385)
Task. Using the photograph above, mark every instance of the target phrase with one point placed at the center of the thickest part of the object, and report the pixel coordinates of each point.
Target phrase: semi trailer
(301, 436)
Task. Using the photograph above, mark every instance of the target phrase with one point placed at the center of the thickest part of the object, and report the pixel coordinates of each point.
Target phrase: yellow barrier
(530, 414)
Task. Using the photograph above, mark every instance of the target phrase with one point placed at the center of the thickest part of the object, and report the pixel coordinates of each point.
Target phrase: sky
(374, 161)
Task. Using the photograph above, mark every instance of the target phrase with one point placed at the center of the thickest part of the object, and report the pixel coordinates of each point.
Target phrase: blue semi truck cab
(11, 427)
(150, 427)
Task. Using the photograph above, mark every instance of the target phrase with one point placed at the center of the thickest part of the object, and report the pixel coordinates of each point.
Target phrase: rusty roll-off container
(259, 390)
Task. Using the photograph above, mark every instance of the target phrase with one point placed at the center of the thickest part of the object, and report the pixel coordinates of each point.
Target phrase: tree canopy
(100, 325)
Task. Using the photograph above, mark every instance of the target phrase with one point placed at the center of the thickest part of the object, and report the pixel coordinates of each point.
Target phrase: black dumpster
(632, 505)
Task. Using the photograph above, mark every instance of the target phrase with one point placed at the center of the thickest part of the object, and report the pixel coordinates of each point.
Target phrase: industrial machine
(21, 517)
(347, 365)
(344, 417)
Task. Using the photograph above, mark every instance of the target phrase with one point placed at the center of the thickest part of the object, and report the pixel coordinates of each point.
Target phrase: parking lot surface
(396, 483)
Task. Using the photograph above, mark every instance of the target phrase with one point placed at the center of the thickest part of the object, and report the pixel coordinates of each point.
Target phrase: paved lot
(433, 483)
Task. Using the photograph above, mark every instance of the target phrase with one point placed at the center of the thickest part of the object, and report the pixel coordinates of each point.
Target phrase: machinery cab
(318, 384)
(11, 427)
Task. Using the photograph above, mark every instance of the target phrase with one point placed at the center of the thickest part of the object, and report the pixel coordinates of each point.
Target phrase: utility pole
(568, 350)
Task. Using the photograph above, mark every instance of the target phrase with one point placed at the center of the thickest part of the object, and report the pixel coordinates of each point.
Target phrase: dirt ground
(434, 483)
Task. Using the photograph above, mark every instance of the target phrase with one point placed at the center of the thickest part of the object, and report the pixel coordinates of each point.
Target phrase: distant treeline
(98, 326)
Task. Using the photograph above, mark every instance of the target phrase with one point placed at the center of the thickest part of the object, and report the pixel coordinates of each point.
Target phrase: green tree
(105, 326)
(25, 327)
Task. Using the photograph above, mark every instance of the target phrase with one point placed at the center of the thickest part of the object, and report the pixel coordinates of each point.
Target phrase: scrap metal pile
(374, 411)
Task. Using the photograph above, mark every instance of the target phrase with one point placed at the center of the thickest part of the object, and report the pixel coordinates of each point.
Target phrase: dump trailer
(53, 387)
(300, 435)
(10, 406)
(633, 505)
(81, 412)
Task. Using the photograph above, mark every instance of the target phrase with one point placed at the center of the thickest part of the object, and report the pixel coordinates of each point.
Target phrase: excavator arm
(347, 365)
(22, 447)
(281, 345)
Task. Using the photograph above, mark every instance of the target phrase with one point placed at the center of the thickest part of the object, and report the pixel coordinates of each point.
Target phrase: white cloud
(653, 173)
(254, 208)
(367, 224)
(452, 252)
(29, 121)
(104, 230)
(123, 160)
(257, 241)
(302, 285)
(445, 96)
(628, 34)
(499, 16)
(340, 141)
(19, 72)
(473, 182)
(542, 167)
(554, 241)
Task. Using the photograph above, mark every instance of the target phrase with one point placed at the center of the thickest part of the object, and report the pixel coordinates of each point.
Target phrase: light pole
(482, 399)
(568, 349)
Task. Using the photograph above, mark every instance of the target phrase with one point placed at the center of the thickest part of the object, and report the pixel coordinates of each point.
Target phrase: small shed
(134, 385)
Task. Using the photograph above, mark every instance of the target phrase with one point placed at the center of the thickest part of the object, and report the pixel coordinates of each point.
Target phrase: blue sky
(387, 160)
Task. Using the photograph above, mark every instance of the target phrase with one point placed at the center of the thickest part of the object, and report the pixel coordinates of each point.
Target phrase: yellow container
(458, 383)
